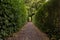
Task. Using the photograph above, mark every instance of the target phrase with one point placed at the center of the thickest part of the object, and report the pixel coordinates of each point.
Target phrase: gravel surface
(29, 32)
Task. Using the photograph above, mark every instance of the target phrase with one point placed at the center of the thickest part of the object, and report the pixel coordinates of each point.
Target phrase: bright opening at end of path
(47, 0)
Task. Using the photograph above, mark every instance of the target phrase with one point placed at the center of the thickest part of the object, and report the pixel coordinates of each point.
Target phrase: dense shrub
(48, 19)
(12, 17)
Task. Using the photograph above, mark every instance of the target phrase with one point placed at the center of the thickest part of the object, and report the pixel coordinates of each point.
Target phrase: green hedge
(12, 17)
(47, 19)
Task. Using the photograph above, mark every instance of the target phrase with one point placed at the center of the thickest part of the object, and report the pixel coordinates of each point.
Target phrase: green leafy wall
(48, 19)
(12, 17)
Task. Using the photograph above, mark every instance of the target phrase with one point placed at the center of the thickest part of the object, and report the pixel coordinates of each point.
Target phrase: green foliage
(47, 19)
(12, 17)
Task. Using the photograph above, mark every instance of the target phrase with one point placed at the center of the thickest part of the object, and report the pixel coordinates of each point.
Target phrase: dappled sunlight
(47, 0)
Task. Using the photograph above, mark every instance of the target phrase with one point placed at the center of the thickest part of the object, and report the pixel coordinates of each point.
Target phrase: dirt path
(29, 32)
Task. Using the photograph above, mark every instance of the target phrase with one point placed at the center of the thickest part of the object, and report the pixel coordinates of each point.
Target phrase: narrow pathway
(29, 32)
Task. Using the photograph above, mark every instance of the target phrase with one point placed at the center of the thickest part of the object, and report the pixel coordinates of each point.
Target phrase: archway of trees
(45, 14)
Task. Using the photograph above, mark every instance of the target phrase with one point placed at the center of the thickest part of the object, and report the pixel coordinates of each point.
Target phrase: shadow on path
(29, 32)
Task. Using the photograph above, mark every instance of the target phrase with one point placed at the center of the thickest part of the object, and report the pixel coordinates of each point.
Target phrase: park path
(29, 32)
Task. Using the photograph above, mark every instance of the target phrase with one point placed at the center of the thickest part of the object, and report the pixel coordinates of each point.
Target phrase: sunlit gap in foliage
(46, 0)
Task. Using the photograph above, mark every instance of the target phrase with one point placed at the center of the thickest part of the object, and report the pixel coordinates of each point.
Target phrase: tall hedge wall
(48, 19)
(12, 17)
